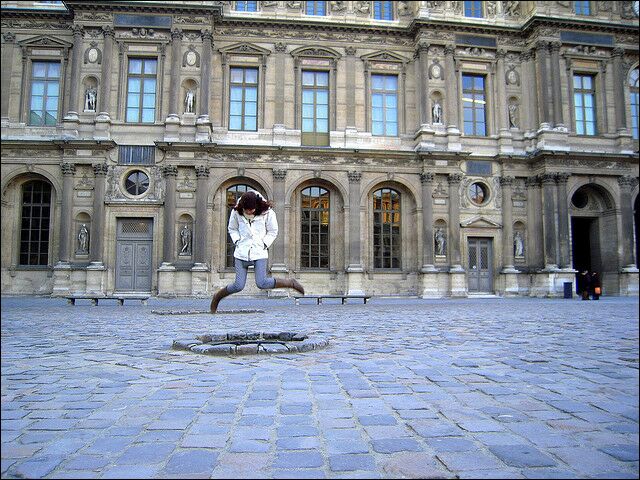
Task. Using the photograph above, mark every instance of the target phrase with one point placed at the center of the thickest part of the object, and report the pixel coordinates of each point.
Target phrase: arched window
(34, 227)
(314, 214)
(233, 195)
(633, 94)
(386, 229)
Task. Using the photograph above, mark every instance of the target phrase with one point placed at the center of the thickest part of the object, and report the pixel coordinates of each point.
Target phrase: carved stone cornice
(170, 171)
(202, 171)
(504, 181)
(100, 169)
(354, 177)
(455, 178)
(68, 169)
(427, 177)
(279, 174)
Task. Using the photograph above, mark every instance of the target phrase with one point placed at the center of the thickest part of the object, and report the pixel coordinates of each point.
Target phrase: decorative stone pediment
(42, 42)
(316, 52)
(480, 222)
(244, 49)
(388, 57)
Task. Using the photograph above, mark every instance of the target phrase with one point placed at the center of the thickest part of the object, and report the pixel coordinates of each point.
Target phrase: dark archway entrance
(582, 229)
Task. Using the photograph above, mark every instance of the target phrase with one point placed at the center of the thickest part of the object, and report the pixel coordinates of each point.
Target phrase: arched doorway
(594, 233)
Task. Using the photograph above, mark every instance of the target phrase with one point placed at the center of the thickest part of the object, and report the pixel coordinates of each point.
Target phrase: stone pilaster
(618, 90)
(529, 88)
(454, 221)
(542, 54)
(278, 263)
(280, 70)
(100, 171)
(534, 251)
(428, 270)
(104, 100)
(549, 221)
(207, 45)
(506, 183)
(68, 171)
(501, 92)
(563, 220)
(170, 173)
(200, 229)
(451, 115)
(423, 75)
(556, 90)
(8, 47)
(627, 257)
(76, 56)
(355, 271)
(174, 81)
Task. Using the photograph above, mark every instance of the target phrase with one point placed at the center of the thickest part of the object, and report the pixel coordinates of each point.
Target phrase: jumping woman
(253, 228)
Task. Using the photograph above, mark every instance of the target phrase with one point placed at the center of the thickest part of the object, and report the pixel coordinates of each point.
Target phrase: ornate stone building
(411, 148)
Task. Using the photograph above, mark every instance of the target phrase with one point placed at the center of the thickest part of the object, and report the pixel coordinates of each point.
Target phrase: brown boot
(289, 283)
(220, 294)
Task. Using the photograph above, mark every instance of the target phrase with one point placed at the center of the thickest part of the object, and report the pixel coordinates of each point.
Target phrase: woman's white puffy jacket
(253, 238)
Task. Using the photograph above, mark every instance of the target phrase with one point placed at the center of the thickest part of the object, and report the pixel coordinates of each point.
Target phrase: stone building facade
(417, 148)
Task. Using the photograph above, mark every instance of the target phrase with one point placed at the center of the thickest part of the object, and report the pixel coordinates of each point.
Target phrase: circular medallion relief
(191, 58)
(92, 55)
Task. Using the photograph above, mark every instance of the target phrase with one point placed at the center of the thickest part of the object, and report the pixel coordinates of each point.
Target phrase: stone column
(174, 82)
(556, 90)
(355, 262)
(104, 99)
(529, 89)
(549, 221)
(350, 61)
(451, 115)
(454, 221)
(207, 45)
(563, 219)
(278, 263)
(423, 75)
(76, 57)
(66, 223)
(169, 240)
(501, 97)
(506, 183)
(543, 97)
(200, 229)
(100, 171)
(8, 47)
(534, 227)
(618, 90)
(427, 221)
(280, 60)
(627, 260)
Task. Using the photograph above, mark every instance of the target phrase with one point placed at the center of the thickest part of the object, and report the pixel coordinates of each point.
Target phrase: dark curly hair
(250, 200)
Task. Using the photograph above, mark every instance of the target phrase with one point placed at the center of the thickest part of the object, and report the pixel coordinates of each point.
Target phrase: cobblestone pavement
(472, 388)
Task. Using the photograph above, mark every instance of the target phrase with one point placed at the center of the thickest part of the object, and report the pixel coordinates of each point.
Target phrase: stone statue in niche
(518, 244)
(189, 101)
(436, 112)
(90, 99)
(513, 115)
(83, 239)
(185, 239)
(441, 242)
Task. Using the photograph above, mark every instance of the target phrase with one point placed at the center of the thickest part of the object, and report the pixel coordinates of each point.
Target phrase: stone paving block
(450, 444)
(130, 471)
(311, 473)
(393, 445)
(347, 446)
(36, 467)
(86, 462)
(461, 461)
(349, 463)
(296, 459)
(295, 431)
(587, 461)
(522, 456)
(490, 474)
(245, 445)
(625, 453)
(298, 443)
(191, 462)
(204, 441)
(141, 454)
(377, 420)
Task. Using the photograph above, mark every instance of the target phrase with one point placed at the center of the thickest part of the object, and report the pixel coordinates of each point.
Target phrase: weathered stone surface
(414, 465)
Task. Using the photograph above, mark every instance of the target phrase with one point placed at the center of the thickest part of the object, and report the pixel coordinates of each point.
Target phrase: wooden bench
(320, 297)
(71, 299)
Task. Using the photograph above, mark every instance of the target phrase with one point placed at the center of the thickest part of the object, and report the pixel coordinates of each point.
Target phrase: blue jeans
(262, 281)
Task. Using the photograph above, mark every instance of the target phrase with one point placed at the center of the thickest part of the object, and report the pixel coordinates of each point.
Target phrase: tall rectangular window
(473, 9)
(45, 93)
(246, 6)
(314, 243)
(316, 8)
(315, 108)
(582, 8)
(383, 10)
(243, 99)
(584, 102)
(384, 105)
(141, 90)
(387, 243)
(34, 227)
(474, 105)
(633, 94)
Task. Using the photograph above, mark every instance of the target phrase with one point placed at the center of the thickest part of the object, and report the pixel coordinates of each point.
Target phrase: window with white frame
(314, 241)
(384, 105)
(246, 6)
(584, 103)
(45, 93)
(315, 107)
(386, 229)
(473, 9)
(141, 90)
(243, 99)
(474, 105)
(316, 8)
(633, 94)
(383, 10)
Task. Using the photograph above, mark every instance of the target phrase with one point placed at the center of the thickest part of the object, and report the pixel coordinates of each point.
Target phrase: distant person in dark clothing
(584, 284)
(596, 286)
